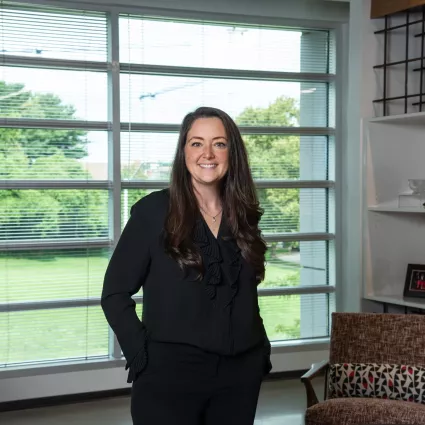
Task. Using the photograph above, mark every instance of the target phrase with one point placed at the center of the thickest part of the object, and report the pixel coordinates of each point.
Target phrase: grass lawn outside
(281, 314)
(43, 335)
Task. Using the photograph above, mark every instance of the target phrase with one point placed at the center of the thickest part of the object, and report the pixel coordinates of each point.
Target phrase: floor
(281, 403)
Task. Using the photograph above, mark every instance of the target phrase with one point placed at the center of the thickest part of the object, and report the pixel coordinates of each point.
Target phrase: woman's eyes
(220, 145)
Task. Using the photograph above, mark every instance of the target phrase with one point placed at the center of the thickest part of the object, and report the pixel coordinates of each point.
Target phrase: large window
(55, 237)
(89, 118)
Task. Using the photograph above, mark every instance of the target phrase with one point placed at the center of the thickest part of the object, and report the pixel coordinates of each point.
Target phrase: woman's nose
(208, 152)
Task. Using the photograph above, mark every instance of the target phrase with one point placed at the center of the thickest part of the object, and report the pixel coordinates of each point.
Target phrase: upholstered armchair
(375, 374)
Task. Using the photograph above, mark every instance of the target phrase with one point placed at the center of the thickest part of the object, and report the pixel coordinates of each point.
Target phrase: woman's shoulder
(154, 203)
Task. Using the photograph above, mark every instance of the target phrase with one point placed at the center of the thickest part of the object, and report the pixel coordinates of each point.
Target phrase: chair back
(378, 338)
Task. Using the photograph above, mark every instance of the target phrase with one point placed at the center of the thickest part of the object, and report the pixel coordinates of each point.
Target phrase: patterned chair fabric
(378, 338)
(395, 382)
(365, 411)
(373, 339)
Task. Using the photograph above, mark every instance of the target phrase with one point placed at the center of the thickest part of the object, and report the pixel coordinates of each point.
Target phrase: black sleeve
(125, 275)
(267, 353)
(267, 347)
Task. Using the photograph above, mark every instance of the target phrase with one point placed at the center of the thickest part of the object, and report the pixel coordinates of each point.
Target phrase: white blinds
(195, 44)
(52, 274)
(52, 33)
(291, 263)
(54, 217)
(52, 94)
(278, 85)
(149, 156)
(152, 99)
(295, 317)
(42, 283)
(49, 154)
(53, 214)
(52, 334)
(59, 209)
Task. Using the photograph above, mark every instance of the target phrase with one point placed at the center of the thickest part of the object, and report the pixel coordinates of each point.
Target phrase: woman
(200, 352)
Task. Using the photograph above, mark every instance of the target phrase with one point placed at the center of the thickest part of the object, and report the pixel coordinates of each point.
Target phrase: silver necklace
(214, 217)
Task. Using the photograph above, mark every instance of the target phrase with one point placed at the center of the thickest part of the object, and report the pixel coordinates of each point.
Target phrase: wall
(44, 382)
(362, 89)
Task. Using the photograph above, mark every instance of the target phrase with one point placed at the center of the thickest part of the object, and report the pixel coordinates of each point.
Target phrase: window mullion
(114, 147)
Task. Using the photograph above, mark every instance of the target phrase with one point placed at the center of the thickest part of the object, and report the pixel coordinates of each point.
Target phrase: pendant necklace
(214, 217)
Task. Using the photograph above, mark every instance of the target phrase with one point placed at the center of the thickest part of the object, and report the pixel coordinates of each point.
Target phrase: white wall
(363, 55)
(17, 385)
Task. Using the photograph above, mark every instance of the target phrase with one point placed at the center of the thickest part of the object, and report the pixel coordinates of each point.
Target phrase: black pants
(183, 385)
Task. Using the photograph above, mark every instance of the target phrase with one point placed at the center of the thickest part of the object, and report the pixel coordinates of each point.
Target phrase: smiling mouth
(208, 166)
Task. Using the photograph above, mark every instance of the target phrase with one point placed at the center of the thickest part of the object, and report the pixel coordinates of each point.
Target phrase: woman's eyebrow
(214, 138)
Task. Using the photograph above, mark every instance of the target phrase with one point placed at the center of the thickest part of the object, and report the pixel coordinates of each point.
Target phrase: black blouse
(219, 314)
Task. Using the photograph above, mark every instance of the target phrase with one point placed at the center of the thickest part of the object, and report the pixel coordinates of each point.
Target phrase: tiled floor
(281, 403)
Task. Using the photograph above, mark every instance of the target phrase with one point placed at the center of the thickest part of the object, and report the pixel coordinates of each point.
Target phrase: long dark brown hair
(241, 208)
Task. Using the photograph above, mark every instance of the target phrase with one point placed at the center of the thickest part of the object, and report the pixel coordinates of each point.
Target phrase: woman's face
(207, 151)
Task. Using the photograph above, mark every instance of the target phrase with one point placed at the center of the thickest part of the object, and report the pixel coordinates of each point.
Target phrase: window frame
(115, 185)
(135, 69)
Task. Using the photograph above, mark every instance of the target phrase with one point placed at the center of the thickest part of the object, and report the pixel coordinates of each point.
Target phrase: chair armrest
(315, 370)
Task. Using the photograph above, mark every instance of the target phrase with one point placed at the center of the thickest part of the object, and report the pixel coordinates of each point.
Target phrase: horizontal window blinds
(48, 275)
(52, 94)
(195, 44)
(152, 99)
(47, 214)
(294, 317)
(54, 230)
(65, 334)
(60, 169)
(298, 263)
(51, 154)
(53, 33)
(149, 156)
(278, 85)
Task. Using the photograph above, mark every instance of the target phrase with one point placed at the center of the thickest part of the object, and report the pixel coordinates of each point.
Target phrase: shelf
(396, 300)
(417, 118)
(403, 210)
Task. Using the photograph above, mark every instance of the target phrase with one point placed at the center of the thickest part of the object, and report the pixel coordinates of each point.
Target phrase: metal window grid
(114, 184)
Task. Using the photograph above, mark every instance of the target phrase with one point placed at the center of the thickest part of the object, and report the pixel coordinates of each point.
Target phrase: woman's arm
(267, 352)
(267, 347)
(125, 275)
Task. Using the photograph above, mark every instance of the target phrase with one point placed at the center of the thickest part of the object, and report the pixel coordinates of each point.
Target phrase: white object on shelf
(417, 186)
(411, 200)
(396, 300)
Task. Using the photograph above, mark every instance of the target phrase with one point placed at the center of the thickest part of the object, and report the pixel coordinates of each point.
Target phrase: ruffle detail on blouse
(211, 254)
(139, 362)
(234, 266)
(210, 250)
